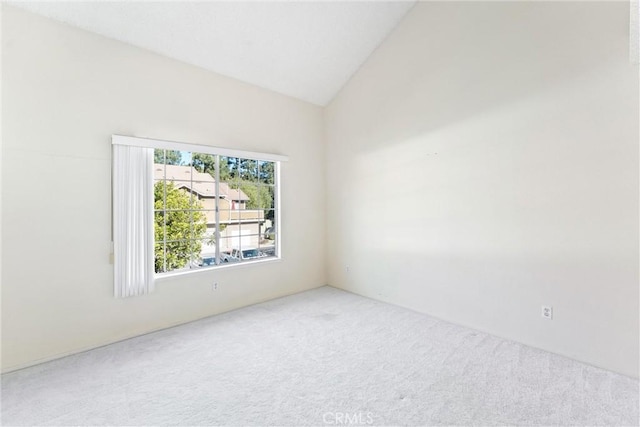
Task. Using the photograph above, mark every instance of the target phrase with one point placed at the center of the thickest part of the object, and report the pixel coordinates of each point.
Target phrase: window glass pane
(250, 192)
(210, 221)
(269, 197)
(250, 241)
(185, 210)
(251, 254)
(169, 157)
(195, 260)
(237, 197)
(243, 235)
(204, 255)
(240, 248)
(227, 252)
(248, 170)
(225, 215)
(207, 260)
(268, 238)
(159, 226)
(159, 257)
(269, 218)
(179, 255)
(204, 163)
(259, 201)
(158, 171)
(208, 243)
(268, 246)
(228, 169)
(266, 172)
(180, 175)
(203, 189)
(198, 223)
(225, 244)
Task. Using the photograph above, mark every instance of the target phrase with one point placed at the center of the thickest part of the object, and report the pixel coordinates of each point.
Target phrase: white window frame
(226, 152)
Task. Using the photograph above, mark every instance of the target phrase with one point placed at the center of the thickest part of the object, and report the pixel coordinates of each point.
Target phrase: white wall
(484, 162)
(65, 91)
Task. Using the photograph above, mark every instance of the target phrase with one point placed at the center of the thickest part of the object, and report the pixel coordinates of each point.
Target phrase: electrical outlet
(214, 286)
(347, 268)
(547, 312)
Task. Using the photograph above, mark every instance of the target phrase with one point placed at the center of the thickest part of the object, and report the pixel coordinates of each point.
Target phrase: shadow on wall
(532, 176)
(483, 162)
(473, 58)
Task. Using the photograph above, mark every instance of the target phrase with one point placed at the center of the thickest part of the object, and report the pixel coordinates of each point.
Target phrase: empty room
(325, 213)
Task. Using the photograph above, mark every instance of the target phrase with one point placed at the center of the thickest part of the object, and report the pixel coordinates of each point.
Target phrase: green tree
(233, 169)
(244, 173)
(228, 168)
(266, 172)
(204, 163)
(173, 157)
(183, 226)
(207, 163)
(248, 170)
(259, 196)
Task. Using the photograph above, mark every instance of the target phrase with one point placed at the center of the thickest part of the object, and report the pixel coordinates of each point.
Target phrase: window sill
(170, 275)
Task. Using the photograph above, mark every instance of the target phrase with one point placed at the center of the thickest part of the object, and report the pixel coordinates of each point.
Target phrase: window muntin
(201, 222)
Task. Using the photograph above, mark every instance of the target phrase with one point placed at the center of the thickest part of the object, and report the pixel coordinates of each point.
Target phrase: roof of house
(199, 182)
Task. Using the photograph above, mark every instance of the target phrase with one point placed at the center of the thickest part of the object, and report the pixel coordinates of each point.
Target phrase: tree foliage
(173, 157)
(243, 174)
(183, 226)
(258, 196)
(204, 163)
(180, 225)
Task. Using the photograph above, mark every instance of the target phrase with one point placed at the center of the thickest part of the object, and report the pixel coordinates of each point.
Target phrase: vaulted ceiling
(307, 50)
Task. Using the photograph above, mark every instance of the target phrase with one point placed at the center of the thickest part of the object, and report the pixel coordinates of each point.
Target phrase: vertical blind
(133, 220)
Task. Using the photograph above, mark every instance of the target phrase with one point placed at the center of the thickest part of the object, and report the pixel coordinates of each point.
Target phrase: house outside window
(179, 208)
(211, 210)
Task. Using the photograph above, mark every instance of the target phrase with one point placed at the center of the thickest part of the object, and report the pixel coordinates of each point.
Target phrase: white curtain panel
(133, 220)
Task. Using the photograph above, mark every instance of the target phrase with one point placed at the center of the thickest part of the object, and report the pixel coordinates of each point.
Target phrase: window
(183, 207)
(211, 209)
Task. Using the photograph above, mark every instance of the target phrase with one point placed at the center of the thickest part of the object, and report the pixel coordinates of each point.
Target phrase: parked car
(227, 257)
(206, 260)
(268, 251)
(236, 255)
(209, 261)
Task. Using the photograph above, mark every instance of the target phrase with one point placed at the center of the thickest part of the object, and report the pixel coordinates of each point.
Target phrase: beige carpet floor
(323, 357)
